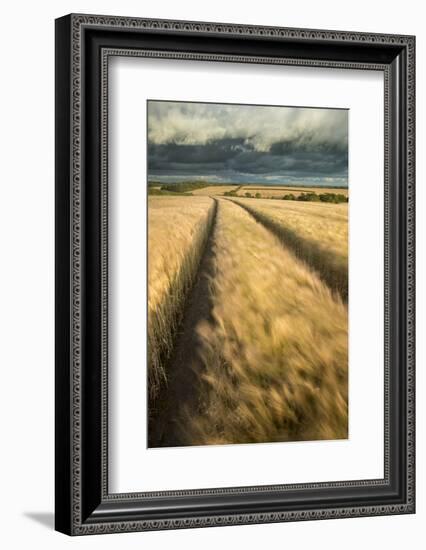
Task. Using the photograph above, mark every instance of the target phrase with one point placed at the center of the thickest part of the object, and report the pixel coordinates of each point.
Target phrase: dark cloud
(306, 152)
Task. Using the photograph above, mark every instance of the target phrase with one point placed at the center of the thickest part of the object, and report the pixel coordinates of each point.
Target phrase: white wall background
(27, 262)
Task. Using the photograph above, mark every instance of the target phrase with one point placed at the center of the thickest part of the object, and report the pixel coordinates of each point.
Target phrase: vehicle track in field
(180, 397)
(307, 251)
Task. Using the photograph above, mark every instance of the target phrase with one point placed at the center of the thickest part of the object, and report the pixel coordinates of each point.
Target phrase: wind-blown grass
(275, 354)
(317, 233)
(178, 228)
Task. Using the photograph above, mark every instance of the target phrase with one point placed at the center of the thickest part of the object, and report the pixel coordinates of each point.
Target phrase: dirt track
(180, 397)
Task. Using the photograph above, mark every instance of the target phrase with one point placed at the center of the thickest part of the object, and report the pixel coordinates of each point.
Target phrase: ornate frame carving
(84, 506)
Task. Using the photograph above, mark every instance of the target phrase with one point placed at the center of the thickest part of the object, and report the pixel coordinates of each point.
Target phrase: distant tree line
(335, 198)
(161, 191)
(184, 187)
(232, 193)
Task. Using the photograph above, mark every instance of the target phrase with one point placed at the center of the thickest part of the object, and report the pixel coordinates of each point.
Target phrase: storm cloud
(245, 143)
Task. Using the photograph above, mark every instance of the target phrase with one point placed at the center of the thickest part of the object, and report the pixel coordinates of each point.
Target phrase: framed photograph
(234, 274)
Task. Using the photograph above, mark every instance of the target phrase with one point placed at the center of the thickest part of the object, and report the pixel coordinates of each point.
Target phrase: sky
(247, 144)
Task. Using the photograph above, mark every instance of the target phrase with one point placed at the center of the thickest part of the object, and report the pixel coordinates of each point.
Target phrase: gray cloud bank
(244, 143)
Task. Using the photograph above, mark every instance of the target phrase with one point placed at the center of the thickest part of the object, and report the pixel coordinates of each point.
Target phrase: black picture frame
(83, 45)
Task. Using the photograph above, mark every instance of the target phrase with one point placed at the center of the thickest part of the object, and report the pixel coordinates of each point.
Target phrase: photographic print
(204, 173)
(247, 273)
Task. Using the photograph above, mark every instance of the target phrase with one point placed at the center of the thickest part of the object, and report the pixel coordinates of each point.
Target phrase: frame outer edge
(411, 270)
(63, 496)
(76, 270)
(77, 22)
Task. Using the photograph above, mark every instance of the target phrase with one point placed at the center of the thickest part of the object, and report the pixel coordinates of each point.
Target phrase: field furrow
(178, 229)
(317, 233)
(273, 365)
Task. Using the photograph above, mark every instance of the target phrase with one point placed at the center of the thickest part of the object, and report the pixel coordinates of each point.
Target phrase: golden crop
(213, 190)
(317, 233)
(178, 228)
(275, 353)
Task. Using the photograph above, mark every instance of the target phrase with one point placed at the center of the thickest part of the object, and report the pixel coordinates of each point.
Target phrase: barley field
(214, 190)
(275, 357)
(267, 356)
(317, 233)
(177, 231)
(278, 192)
